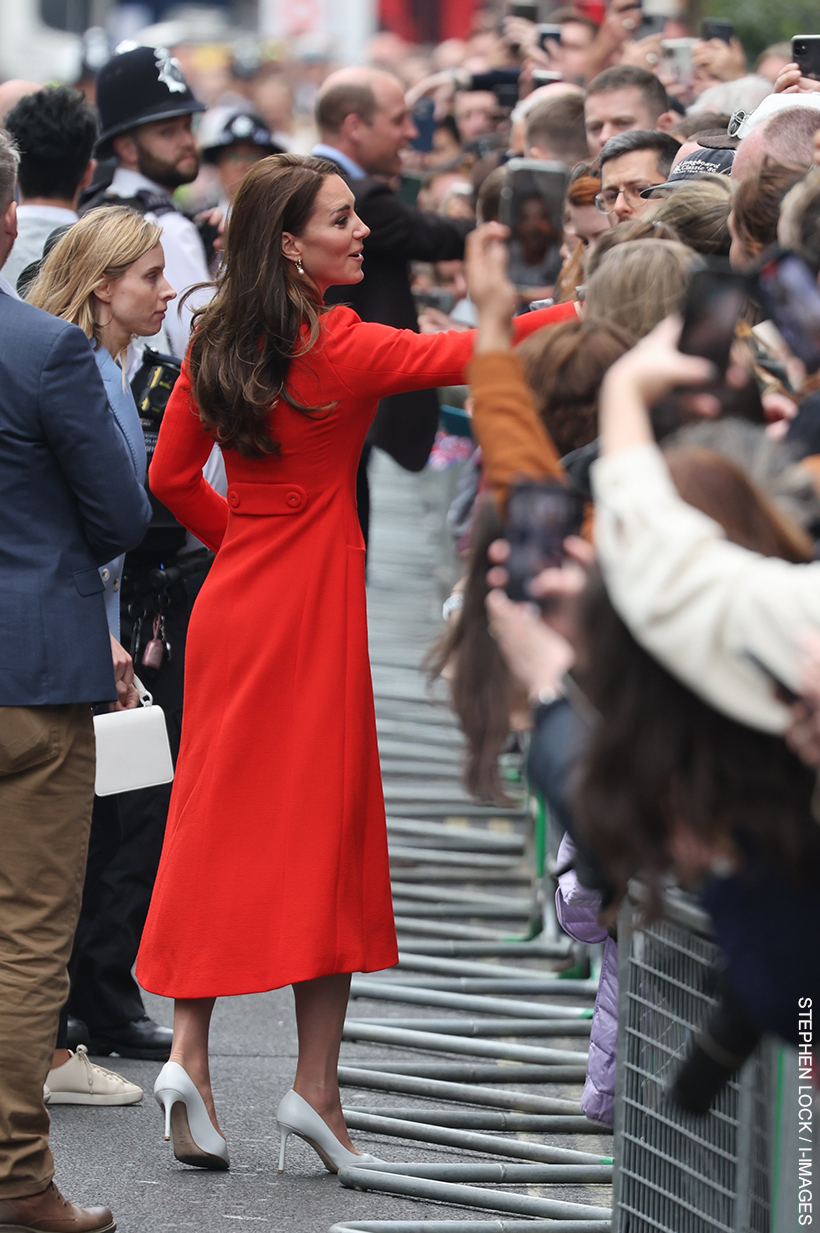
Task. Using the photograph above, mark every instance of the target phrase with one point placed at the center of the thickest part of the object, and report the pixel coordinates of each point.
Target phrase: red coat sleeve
(183, 448)
(373, 360)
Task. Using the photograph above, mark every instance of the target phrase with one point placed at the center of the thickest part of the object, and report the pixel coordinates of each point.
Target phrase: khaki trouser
(46, 794)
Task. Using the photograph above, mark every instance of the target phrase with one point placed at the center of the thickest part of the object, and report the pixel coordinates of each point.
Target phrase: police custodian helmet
(137, 86)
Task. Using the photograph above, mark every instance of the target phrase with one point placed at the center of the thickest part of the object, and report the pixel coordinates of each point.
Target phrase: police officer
(146, 109)
(232, 142)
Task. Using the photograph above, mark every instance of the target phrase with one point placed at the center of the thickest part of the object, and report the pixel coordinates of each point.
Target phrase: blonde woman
(106, 276)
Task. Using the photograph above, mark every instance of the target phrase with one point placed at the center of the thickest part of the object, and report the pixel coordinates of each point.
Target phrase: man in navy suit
(69, 501)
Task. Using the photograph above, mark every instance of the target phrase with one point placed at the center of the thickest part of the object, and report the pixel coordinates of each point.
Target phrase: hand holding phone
(713, 306)
(717, 28)
(540, 516)
(806, 55)
(787, 291)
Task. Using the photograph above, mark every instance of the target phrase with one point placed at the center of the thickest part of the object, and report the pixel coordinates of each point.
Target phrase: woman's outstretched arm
(176, 476)
(372, 361)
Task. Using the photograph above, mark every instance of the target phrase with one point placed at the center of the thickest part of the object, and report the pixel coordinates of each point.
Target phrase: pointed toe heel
(296, 1117)
(195, 1139)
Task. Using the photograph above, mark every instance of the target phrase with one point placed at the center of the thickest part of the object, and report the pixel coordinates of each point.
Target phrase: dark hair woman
(274, 869)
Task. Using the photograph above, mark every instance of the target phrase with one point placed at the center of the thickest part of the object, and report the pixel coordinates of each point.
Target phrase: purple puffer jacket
(578, 910)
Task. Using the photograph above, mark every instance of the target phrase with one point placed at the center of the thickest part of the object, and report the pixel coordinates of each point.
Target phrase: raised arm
(375, 360)
(176, 476)
(695, 601)
(514, 442)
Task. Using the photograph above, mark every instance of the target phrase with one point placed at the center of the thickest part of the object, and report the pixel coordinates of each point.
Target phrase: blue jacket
(69, 501)
(124, 410)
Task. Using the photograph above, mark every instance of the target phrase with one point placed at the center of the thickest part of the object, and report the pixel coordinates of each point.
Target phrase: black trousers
(127, 831)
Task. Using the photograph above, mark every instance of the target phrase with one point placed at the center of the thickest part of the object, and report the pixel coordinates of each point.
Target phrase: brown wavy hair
(564, 366)
(247, 336)
(660, 754)
(481, 685)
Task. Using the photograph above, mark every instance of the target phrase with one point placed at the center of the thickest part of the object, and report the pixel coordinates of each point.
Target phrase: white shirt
(185, 262)
(35, 224)
(695, 601)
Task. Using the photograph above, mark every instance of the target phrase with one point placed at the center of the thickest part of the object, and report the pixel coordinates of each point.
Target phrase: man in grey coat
(69, 501)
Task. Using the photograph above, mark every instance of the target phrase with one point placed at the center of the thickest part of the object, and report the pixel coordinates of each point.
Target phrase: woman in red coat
(274, 869)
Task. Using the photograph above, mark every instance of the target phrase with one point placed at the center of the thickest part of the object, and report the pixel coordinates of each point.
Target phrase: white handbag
(132, 748)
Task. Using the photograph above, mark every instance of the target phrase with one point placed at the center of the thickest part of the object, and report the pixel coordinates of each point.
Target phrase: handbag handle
(146, 698)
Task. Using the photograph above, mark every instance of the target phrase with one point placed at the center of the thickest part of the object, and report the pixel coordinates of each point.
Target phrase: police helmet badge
(169, 71)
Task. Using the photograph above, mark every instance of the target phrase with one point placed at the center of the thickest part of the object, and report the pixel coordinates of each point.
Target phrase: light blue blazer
(124, 410)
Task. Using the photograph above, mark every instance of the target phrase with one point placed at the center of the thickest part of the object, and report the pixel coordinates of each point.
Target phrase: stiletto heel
(296, 1116)
(284, 1135)
(196, 1141)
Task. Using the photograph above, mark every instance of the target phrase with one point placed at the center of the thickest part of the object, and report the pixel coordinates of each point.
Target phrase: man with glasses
(631, 163)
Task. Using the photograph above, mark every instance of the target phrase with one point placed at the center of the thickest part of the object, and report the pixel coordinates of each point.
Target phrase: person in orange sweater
(274, 869)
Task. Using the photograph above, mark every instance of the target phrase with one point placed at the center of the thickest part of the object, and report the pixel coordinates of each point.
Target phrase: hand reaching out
(490, 289)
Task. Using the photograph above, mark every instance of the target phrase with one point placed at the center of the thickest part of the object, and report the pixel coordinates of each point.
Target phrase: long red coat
(274, 867)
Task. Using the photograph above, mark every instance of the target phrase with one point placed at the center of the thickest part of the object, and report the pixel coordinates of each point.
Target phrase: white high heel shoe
(296, 1117)
(195, 1139)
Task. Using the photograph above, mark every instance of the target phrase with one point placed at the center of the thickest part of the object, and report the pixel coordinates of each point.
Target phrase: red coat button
(294, 499)
(233, 498)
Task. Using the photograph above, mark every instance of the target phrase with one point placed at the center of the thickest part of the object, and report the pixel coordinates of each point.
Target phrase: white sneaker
(79, 1082)
(46, 1093)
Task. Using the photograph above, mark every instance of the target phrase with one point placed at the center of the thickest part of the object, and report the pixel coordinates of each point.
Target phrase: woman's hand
(803, 734)
(641, 377)
(127, 695)
(490, 289)
(561, 587)
(790, 81)
(644, 53)
(536, 655)
(719, 60)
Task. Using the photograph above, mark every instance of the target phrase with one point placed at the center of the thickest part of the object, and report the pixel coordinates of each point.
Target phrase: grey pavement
(118, 1155)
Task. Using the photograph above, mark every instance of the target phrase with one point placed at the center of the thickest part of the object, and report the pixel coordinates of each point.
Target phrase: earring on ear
(300, 269)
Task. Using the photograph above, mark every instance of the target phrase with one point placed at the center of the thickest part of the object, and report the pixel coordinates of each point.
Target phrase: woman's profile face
(138, 299)
(330, 247)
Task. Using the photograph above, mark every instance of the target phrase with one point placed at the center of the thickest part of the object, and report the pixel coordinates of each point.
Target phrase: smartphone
(677, 57)
(528, 180)
(545, 77)
(548, 33)
(783, 691)
(717, 28)
(540, 516)
(806, 54)
(650, 23)
(529, 11)
(787, 292)
(425, 122)
(714, 304)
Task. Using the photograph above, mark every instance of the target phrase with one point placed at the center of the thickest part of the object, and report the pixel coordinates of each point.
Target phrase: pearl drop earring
(300, 269)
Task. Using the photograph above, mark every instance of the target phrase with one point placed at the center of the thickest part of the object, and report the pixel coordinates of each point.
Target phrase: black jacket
(405, 424)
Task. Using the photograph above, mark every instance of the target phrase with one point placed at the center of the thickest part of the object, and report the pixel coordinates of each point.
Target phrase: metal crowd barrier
(486, 1031)
(733, 1170)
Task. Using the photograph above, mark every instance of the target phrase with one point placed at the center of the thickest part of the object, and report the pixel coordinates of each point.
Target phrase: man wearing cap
(146, 108)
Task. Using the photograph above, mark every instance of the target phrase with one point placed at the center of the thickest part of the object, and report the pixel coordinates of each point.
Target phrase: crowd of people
(219, 292)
